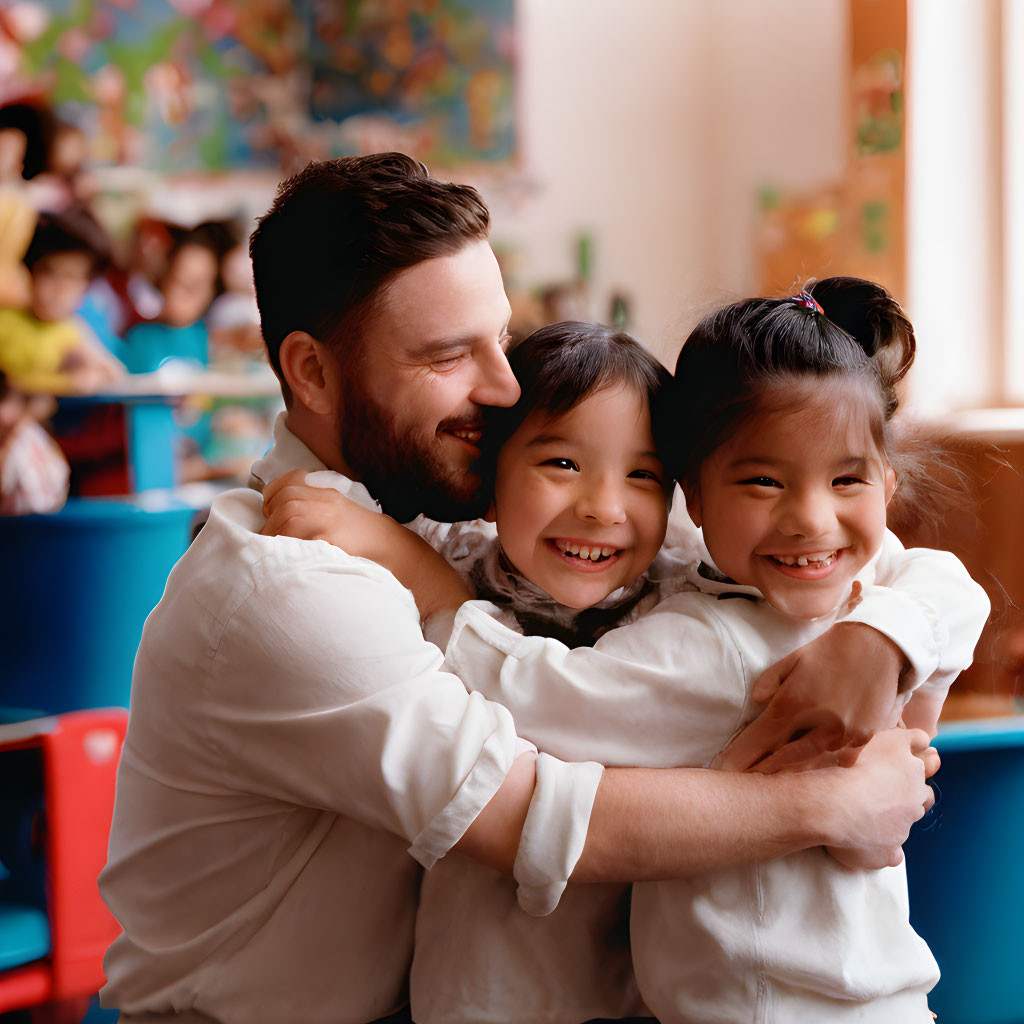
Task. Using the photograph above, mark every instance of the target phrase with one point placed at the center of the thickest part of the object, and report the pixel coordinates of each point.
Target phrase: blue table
(149, 401)
(965, 870)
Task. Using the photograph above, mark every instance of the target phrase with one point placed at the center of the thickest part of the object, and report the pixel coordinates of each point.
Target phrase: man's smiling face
(431, 360)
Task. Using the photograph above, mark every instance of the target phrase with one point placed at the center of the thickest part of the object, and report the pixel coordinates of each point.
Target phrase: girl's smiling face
(581, 499)
(794, 501)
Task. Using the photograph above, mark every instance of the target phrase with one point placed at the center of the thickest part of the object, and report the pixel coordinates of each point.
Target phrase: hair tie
(808, 301)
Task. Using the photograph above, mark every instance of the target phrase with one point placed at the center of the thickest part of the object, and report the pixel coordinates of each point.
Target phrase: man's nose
(602, 502)
(495, 384)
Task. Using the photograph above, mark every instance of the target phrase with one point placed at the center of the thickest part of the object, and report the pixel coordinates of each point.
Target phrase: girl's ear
(692, 495)
(890, 483)
(491, 515)
(310, 370)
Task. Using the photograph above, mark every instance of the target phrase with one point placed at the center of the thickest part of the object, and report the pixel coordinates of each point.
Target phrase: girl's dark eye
(645, 474)
(761, 481)
(562, 464)
(846, 481)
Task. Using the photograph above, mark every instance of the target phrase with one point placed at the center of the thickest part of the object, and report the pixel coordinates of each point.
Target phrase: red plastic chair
(78, 754)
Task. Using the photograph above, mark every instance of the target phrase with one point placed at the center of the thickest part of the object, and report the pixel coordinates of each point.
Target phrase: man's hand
(880, 797)
(825, 701)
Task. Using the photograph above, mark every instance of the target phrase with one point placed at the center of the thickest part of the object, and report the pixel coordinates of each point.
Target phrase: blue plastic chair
(78, 585)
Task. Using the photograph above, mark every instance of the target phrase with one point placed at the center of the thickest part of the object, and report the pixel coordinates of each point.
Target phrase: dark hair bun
(873, 318)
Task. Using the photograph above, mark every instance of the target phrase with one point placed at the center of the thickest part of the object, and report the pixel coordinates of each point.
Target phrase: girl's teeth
(822, 560)
(592, 554)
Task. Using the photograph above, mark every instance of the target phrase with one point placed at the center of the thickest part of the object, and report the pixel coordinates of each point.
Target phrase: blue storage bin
(77, 587)
(966, 874)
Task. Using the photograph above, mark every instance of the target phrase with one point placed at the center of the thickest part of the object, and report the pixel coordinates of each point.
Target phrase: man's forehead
(445, 296)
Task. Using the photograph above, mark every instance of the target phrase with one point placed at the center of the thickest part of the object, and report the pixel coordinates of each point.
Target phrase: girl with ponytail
(778, 425)
(780, 419)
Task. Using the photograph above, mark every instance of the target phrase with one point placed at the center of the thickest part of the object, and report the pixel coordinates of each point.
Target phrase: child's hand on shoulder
(293, 508)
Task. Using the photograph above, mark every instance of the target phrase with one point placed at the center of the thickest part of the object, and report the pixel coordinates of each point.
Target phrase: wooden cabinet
(983, 462)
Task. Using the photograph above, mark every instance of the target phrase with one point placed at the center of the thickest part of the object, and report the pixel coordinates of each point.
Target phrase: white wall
(652, 126)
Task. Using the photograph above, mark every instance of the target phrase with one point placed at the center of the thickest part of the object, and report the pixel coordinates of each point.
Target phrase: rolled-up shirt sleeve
(926, 603)
(354, 713)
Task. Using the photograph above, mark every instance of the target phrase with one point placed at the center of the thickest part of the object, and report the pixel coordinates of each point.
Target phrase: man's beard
(407, 476)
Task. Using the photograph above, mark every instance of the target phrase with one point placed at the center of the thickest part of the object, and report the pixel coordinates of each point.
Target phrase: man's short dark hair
(341, 229)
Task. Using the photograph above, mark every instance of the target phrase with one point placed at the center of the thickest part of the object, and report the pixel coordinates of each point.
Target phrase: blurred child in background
(17, 215)
(33, 471)
(190, 281)
(46, 347)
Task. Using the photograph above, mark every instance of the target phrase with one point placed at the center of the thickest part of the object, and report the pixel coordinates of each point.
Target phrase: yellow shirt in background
(32, 351)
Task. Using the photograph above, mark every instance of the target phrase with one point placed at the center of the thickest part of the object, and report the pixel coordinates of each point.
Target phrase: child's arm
(294, 509)
(921, 622)
(88, 370)
(923, 709)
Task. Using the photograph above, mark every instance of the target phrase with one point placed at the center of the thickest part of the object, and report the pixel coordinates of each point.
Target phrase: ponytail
(839, 326)
(875, 321)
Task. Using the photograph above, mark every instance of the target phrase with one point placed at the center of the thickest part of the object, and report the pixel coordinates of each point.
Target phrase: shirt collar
(288, 453)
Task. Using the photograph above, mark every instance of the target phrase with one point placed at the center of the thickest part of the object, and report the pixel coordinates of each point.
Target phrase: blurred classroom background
(643, 163)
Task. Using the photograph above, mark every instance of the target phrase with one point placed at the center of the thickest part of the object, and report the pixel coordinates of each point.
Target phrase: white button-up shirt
(295, 753)
(671, 689)
(796, 939)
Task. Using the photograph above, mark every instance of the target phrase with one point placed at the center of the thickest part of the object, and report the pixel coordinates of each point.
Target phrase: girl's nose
(602, 502)
(806, 515)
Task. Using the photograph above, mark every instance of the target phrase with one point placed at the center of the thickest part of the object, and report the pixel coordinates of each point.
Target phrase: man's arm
(665, 690)
(650, 824)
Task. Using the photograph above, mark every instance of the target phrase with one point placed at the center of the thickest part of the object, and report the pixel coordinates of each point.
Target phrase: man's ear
(310, 370)
(890, 483)
(693, 506)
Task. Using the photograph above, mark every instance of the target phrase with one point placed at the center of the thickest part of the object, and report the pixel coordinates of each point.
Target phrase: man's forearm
(659, 823)
(653, 823)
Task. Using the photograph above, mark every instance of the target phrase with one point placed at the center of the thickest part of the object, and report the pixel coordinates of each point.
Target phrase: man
(293, 738)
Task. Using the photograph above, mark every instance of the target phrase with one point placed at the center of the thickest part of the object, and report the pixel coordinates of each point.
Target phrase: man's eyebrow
(441, 347)
(430, 350)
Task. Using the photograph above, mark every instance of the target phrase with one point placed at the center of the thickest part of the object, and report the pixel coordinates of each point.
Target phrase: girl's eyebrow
(753, 460)
(542, 439)
(854, 463)
(545, 439)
